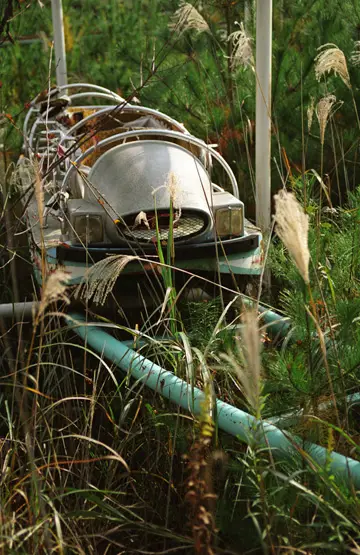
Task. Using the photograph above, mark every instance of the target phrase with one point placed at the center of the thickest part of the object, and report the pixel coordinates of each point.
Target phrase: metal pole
(20, 310)
(263, 113)
(59, 42)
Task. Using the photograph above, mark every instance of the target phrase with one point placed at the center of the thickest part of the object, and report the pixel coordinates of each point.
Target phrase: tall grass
(92, 462)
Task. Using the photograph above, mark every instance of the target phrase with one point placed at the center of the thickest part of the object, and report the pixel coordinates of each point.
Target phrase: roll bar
(95, 94)
(155, 132)
(126, 108)
(57, 90)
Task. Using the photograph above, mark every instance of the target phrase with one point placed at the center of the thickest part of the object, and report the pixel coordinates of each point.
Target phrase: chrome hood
(141, 176)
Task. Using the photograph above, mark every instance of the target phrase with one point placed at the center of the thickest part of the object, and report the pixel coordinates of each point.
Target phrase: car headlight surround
(229, 221)
(88, 228)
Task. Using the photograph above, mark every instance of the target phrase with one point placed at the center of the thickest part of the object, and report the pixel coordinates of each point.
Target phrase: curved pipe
(95, 94)
(72, 86)
(156, 132)
(85, 86)
(229, 419)
(275, 323)
(125, 108)
(40, 120)
(20, 310)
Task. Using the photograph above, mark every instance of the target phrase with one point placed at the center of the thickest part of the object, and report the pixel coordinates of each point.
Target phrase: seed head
(241, 48)
(292, 226)
(101, 278)
(54, 289)
(187, 17)
(249, 371)
(250, 376)
(324, 108)
(310, 113)
(331, 58)
(173, 186)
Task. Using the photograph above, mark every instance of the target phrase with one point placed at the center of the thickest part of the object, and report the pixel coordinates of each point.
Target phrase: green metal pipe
(18, 311)
(229, 419)
(276, 324)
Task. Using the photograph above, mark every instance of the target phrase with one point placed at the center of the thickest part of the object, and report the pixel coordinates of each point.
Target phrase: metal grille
(186, 226)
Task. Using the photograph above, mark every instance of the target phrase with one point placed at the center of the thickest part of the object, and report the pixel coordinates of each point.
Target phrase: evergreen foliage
(95, 463)
(119, 45)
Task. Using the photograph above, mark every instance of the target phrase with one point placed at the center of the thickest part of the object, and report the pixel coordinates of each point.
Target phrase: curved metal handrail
(26, 121)
(126, 108)
(90, 86)
(38, 121)
(72, 86)
(41, 119)
(96, 94)
(155, 132)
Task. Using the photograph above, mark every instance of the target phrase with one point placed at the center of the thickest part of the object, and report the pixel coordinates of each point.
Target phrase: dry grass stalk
(54, 290)
(324, 108)
(250, 372)
(39, 194)
(173, 186)
(250, 375)
(292, 226)
(326, 363)
(101, 278)
(199, 485)
(187, 17)
(331, 58)
(241, 48)
(310, 113)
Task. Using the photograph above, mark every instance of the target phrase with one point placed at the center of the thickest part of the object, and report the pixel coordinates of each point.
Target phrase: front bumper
(239, 245)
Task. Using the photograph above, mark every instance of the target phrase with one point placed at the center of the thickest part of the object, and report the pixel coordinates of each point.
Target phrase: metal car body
(119, 178)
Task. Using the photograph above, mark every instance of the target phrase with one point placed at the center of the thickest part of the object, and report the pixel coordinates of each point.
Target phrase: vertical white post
(59, 42)
(263, 113)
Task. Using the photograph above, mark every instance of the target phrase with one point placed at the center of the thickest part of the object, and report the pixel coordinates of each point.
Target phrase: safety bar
(155, 132)
(126, 108)
(57, 90)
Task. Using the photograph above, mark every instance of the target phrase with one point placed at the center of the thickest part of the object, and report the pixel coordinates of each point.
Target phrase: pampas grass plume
(292, 226)
(241, 48)
(188, 17)
(324, 108)
(331, 58)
